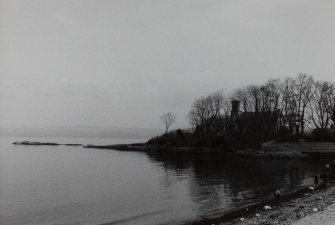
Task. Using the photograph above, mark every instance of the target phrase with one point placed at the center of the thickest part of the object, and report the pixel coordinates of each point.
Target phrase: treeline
(289, 109)
(299, 104)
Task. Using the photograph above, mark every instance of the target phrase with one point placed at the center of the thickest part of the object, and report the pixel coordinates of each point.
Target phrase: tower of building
(235, 109)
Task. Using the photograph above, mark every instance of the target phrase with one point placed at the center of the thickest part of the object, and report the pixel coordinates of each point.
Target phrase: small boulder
(277, 194)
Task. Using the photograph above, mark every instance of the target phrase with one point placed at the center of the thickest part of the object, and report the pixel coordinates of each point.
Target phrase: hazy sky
(123, 63)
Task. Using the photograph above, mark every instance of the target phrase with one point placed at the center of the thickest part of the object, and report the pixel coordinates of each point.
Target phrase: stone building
(254, 127)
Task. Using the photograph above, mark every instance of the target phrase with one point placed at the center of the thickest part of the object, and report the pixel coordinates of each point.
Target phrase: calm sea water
(54, 185)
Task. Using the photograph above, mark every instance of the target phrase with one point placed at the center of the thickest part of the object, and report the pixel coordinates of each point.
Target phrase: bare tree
(254, 96)
(331, 107)
(193, 119)
(168, 119)
(288, 105)
(332, 117)
(320, 105)
(199, 114)
(206, 112)
(262, 98)
(219, 113)
(242, 95)
(271, 94)
(303, 87)
(297, 102)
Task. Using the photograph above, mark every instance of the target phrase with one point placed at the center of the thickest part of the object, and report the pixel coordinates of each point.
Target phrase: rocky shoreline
(142, 147)
(287, 211)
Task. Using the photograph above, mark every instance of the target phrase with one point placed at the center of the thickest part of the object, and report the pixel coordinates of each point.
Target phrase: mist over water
(71, 185)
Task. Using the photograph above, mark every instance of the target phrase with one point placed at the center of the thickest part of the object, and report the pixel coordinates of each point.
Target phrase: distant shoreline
(284, 150)
(42, 143)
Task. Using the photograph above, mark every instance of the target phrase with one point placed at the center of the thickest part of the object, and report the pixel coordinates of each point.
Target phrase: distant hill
(80, 132)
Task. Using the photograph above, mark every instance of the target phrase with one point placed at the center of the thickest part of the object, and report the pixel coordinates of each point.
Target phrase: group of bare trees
(209, 113)
(322, 105)
(301, 101)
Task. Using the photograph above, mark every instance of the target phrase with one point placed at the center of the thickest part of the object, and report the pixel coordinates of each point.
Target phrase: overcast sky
(124, 63)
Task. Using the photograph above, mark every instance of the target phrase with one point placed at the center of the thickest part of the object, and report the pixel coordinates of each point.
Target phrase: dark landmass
(144, 147)
(282, 150)
(121, 147)
(278, 150)
(34, 143)
(73, 145)
(42, 143)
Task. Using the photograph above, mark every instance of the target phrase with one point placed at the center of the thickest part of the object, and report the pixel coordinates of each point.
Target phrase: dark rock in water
(42, 143)
(73, 145)
(34, 143)
(277, 194)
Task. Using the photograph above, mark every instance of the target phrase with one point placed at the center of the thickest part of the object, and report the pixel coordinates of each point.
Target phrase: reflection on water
(217, 183)
(71, 185)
